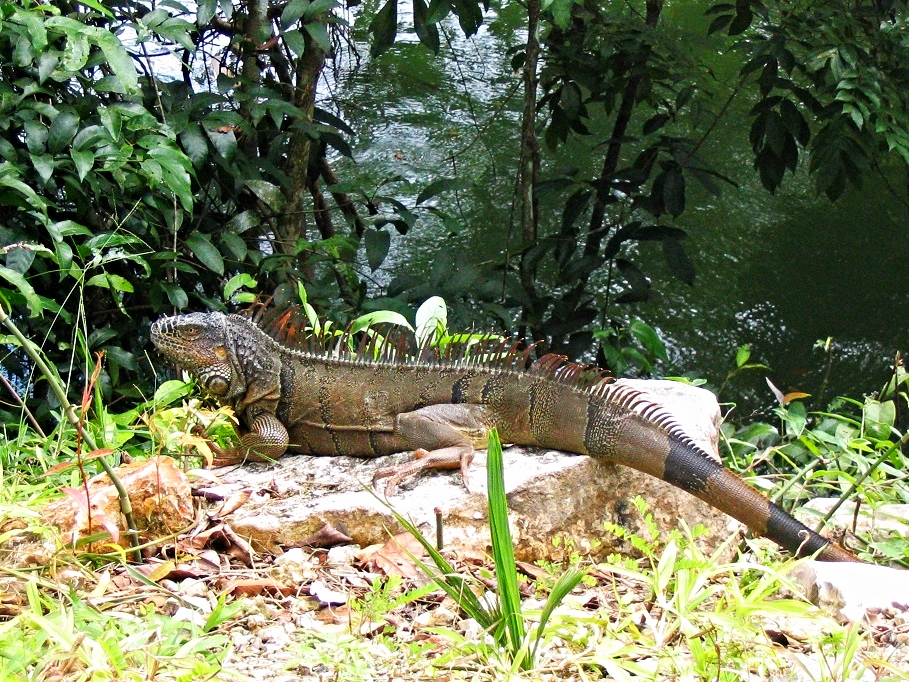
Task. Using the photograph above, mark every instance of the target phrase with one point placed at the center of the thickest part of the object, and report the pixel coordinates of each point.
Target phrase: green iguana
(289, 395)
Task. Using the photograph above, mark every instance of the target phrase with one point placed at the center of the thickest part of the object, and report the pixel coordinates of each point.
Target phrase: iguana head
(198, 342)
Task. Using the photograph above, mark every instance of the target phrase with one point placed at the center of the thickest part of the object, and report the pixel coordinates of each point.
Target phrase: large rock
(847, 590)
(558, 502)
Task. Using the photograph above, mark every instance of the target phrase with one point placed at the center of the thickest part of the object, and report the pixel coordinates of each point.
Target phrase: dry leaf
(397, 556)
(233, 503)
(326, 536)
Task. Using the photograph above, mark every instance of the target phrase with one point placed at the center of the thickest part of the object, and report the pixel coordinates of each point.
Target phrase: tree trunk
(530, 162)
(292, 224)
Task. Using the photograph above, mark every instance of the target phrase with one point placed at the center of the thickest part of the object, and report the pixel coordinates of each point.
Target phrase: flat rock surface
(558, 502)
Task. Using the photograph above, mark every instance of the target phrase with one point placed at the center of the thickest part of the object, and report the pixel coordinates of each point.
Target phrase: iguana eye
(191, 331)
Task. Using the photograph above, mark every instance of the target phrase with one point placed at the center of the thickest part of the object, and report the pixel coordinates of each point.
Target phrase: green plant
(65, 635)
(502, 619)
(386, 596)
(851, 451)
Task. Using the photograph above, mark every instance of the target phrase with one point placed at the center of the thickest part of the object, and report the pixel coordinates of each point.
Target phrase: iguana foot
(456, 457)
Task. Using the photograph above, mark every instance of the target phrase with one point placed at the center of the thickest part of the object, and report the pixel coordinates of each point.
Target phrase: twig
(36, 355)
(22, 405)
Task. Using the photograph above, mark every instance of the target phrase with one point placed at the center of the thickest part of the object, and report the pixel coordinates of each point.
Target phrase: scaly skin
(317, 404)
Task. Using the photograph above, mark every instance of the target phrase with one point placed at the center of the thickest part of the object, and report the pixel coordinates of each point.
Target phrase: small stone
(343, 555)
(438, 617)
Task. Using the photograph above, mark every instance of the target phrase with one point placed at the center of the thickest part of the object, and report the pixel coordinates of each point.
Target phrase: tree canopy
(156, 156)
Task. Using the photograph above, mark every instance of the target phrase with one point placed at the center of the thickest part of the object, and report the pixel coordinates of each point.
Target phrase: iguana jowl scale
(314, 402)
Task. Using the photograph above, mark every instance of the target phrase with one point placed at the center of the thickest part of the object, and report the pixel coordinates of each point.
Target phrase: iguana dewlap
(324, 403)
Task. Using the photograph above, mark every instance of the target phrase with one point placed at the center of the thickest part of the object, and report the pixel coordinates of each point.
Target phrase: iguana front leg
(266, 440)
(442, 436)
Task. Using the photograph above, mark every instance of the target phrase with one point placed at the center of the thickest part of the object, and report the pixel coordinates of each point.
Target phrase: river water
(778, 272)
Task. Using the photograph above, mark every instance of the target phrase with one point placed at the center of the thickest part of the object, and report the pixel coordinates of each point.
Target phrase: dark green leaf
(426, 32)
(574, 207)
(438, 10)
(23, 288)
(674, 191)
(235, 244)
(318, 31)
(201, 246)
(441, 185)
(741, 22)
(20, 259)
(384, 28)
(639, 285)
(654, 123)
(678, 260)
(194, 143)
(205, 12)
(268, 193)
(175, 294)
(83, 161)
(295, 41)
(377, 244)
(293, 10)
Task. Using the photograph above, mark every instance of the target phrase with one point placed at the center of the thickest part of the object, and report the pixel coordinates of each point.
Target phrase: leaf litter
(325, 608)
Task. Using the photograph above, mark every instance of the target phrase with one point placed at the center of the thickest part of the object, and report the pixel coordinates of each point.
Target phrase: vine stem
(53, 381)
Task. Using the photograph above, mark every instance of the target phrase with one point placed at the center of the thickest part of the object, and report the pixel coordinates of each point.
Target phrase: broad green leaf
(742, 355)
(377, 244)
(171, 391)
(295, 41)
(379, 317)
(293, 10)
(678, 260)
(47, 64)
(242, 222)
(45, 165)
(239, 281)
(117, 58)
(648, 338)
(21, 259)
(235, 244)
(200, 244)
(24, 288)
(205, 12)
(426, 32)
(438, 10)
(384, 28)
(431, 317)
(8, 179)
(110, 281)
(83, 161)
(75, 53)
(268, 193)
(441, 185)
(879, 417)
(36, 27)
(674, 191)
(194, 143)
(175, 294)
(318, 31)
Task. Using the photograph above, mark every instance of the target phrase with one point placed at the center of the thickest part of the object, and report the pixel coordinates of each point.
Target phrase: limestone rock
(558, 502)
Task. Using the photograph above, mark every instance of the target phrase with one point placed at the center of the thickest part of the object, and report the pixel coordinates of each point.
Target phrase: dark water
(776, 272)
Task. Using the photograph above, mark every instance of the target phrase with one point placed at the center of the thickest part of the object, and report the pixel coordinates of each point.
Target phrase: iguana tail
(652, 443)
